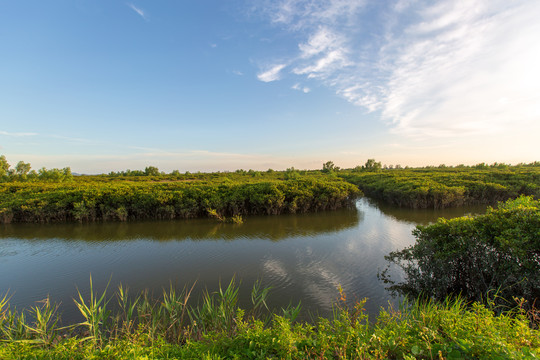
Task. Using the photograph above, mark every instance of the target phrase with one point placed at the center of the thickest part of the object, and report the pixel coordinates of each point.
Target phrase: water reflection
(303, 257)
(261, 227)
(425, 216)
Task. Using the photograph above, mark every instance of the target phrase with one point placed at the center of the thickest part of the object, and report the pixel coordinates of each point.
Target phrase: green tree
(151, 171)
(4, 166)
(372, 165)
(22, 168)
(329, 167)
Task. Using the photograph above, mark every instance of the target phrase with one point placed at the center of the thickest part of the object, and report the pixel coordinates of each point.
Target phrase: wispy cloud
(298, 87)
(301, 14)
(17, 134)
(431, 68)
(272, 73)
(138, 11)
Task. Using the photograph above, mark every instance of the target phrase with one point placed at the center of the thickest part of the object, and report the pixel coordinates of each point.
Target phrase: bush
(494, 255)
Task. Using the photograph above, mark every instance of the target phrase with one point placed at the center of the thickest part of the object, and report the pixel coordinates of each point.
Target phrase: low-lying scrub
(93, 199)
(215, 327)
(447, 186)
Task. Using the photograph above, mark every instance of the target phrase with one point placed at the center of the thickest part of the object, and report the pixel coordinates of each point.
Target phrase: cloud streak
(138, 11)
(17, 134)
(432, 69)
(272, 73)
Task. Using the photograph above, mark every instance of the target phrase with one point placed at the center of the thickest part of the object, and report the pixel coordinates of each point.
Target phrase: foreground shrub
(496, 255)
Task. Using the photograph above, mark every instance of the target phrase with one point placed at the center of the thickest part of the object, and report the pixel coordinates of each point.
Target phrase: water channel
(303, 257)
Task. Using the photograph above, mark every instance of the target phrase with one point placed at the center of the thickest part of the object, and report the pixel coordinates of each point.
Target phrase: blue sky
(220, 85)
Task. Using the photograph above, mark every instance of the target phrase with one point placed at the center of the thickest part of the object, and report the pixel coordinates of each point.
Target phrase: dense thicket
(217, 328)
(110, 198)
(494, 255)
(447, 186)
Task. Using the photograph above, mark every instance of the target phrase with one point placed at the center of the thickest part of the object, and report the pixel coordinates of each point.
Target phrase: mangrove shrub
(496, 255)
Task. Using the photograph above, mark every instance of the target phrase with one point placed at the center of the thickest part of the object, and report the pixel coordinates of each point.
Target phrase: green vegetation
(57, 195)
(215, 327)
(444, 186)
(22, 172)
(475, 280)
(173, 196)
(496, 255)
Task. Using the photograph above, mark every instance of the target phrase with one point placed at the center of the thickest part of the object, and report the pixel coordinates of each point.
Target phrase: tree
(151, 171)
(4, 166)
(22, 168)
(372, 165)
(67, 174)
(329, 167)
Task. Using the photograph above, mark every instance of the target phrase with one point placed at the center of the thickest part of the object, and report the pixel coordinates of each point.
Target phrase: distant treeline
(57, 195)
(23, 172)
(444, 186)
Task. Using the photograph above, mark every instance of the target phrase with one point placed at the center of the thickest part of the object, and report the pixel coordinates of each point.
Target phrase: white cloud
(298, 87)
(272, 73)
(431, 68)
(298, 14)
(138, 11)
(17, 134)
(457, 64)
(320, 41)
(323, 66)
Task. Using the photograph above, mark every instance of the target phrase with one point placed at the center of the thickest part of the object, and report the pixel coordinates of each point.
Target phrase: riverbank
(216, 328)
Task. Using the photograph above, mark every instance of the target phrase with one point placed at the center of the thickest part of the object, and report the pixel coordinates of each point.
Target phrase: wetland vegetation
(134, 195)
(445, 186)
(471, 284)
(215, 327)
(490, 257)
(56, 195)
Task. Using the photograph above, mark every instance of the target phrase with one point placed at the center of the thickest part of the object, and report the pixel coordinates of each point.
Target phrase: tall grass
(95, 313)
(175, 326)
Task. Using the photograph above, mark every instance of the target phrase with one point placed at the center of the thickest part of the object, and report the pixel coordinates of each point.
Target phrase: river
(303, 257)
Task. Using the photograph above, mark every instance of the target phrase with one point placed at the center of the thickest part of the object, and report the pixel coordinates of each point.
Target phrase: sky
(208, 85)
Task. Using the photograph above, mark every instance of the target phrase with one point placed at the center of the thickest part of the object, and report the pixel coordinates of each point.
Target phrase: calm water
(302, 257)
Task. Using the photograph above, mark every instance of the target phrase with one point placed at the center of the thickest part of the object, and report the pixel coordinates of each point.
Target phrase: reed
(217, 328)
(217, 310)
(95, 313)
(45, 328)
